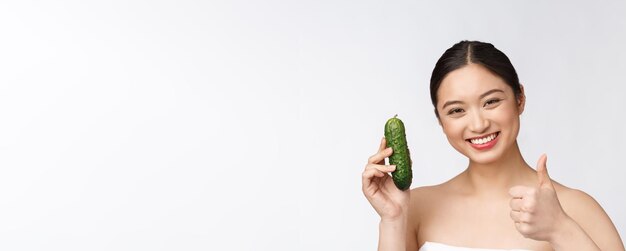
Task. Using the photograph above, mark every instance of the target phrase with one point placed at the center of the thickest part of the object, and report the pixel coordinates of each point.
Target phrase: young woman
(499, 202)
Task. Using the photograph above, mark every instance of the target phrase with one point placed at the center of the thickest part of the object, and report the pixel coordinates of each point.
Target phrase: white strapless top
(433, 246)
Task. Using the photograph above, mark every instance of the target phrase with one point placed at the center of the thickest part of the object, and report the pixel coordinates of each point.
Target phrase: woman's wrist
(395, 224)
(400, 217)
(568, 235)
(392, 234)
(402, 220)
(563, 231)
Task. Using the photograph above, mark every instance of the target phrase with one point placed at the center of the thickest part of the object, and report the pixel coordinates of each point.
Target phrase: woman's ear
(521, 101)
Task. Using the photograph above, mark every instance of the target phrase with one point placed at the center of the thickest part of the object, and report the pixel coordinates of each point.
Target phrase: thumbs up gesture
(536, 210)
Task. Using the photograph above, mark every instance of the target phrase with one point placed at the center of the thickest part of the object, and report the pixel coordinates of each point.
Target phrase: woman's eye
(492, 101)
(455, 110)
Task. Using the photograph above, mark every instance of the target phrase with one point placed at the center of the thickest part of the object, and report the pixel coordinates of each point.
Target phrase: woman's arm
(401, 234)
(579, 223)
(392, 235)
(587, 226)
(391, 204)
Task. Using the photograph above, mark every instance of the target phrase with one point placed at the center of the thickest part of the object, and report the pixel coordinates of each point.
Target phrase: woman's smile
(484, 142)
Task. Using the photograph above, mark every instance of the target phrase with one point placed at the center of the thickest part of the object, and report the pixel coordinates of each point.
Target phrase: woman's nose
(478, 123)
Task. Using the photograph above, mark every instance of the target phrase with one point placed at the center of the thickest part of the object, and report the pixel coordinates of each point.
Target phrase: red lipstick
(487, 145)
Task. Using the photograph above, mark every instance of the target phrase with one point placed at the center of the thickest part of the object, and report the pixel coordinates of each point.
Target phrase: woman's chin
(483, 158)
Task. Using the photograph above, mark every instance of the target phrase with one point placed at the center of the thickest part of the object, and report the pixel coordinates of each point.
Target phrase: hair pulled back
(476, 52)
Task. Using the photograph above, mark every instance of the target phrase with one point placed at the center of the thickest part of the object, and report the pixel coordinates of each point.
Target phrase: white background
(245, 125)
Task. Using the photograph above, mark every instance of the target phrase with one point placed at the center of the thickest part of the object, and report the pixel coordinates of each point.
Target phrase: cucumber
(396, 139)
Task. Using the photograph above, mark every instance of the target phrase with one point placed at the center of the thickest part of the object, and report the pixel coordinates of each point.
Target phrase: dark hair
(466, 52)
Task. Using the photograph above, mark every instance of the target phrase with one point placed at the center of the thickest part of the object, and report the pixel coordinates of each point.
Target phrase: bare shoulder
(426, 192)
(578, 204)
(590, 216)
(425, 199)
(427, 196)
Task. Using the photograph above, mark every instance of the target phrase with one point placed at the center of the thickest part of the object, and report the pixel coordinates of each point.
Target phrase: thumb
(542, 171)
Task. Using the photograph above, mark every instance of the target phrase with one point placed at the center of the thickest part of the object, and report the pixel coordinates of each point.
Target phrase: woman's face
(479, 113)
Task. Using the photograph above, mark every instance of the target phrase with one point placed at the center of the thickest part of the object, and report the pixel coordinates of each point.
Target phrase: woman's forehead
(469, 82)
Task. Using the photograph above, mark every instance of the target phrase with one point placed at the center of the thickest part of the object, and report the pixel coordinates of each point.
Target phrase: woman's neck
(497, 177)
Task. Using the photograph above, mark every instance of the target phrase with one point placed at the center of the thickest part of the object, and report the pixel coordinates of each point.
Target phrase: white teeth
(483, 140)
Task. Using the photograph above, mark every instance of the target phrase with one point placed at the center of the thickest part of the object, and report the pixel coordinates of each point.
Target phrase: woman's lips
(487, 145)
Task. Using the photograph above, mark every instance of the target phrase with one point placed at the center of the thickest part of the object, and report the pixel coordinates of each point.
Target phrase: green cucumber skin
(396, 139)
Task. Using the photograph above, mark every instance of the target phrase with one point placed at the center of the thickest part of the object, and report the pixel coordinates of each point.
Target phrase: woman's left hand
(536, 211)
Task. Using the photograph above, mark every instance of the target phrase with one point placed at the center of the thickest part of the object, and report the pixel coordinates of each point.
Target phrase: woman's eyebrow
(490, 92)
(451, 102)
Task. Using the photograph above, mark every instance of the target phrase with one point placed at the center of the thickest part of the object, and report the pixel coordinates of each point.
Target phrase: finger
(382, 168)
(379, 157)
(369, 174)
(516, 204)
(542, 171)
(516, 216)
(383, 144)
(388, 184)
(523, 228)
(518, 191)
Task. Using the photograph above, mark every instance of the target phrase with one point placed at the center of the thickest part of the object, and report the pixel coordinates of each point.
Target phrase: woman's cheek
(454, 132)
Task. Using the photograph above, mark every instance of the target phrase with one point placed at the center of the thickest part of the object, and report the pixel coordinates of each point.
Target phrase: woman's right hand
(389, 202)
